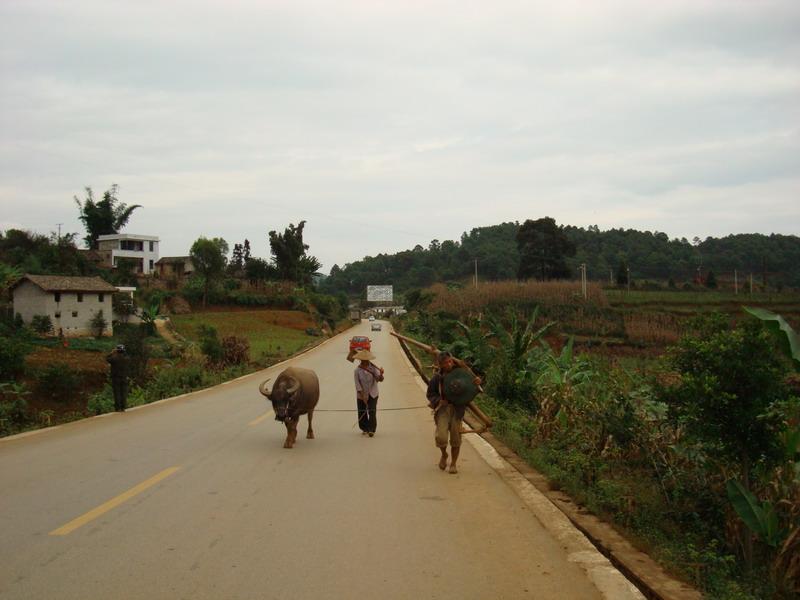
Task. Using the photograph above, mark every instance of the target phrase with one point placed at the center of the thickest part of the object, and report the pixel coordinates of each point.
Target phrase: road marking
(261, 418)
(113, 503)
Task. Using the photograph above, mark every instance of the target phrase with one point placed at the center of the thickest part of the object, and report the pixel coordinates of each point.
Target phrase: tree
(98, 324)
(289, 254)
(543, 247)
(729, 380)
(209, 258)
(107, 216)
(622, 273)
(257, 269)
(711, 280)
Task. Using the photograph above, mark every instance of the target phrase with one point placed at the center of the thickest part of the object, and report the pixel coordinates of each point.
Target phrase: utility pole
(735, 282)
(59, 232)
(611, 277)
(583, 280)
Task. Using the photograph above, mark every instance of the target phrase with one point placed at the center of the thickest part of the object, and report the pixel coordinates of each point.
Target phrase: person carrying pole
(448, 395)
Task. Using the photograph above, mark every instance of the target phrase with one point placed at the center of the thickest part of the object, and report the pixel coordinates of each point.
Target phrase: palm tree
(106, 216)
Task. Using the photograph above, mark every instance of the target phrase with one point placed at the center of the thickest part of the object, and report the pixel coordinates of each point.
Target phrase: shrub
(101, 402)
(58, 382)
(210, 344)
(42, 324)
(174, 381)
(98, 324)
(123, 306)
(13, 407)
(12, 356)
(235, 350)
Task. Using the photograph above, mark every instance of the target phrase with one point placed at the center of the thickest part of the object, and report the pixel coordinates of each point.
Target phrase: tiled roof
(60, 283)
(173, 259)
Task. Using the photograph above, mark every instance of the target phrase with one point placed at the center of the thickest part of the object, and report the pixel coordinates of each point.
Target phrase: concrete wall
(30, 300)
(69, 315)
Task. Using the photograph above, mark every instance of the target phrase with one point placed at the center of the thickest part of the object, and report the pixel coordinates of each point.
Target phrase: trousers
(368, 415)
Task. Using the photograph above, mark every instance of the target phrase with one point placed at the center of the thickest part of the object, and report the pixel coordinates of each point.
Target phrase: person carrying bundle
(449, 391)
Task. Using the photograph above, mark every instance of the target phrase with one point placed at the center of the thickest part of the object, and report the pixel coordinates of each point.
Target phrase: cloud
(385, 125)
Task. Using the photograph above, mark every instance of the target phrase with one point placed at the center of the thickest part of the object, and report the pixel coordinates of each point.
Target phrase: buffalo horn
(262, 390)
(295, 386)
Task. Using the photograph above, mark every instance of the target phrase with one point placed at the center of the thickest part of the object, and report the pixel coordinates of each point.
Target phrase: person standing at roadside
(120, 363)
(367, 376)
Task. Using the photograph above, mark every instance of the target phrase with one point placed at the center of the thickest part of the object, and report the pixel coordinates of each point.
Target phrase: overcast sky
(388, 124)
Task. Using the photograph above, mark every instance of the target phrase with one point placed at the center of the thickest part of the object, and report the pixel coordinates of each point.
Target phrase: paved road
(196, 498)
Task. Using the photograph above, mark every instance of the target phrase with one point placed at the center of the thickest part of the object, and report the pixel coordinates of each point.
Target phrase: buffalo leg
(310, 434)
(291, 434)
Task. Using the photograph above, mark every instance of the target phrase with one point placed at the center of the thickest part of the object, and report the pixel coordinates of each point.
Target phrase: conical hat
(458, 387)
(364, 355)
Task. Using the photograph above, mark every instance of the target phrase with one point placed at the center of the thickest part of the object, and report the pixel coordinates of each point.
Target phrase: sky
(385, 125)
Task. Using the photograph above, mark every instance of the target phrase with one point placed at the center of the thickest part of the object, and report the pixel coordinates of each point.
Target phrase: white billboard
(379, 293)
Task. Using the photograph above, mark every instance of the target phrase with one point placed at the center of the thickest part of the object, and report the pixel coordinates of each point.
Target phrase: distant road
(196, 498)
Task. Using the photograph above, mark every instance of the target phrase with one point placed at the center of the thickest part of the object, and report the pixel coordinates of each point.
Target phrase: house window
(132, 245)
(74, 313)
(58, 296)
(58, 315)
(80, 297)
(100, 297)
(151, 247)
(151, 264)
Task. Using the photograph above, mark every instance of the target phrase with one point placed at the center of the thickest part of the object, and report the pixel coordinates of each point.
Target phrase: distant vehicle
(360, 342)
(376, 326)
(371, 318)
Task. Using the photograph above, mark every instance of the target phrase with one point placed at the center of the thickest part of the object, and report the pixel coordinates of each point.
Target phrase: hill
(772, 259)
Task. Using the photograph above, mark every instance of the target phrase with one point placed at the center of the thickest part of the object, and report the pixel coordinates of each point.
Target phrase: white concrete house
(70, 302)
(143, 249)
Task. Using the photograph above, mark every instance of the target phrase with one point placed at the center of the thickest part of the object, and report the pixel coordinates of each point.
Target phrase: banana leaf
(788, 340)
(760, 519)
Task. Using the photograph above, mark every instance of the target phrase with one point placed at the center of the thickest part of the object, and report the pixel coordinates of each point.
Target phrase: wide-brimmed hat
(459, 387)
(364, 355)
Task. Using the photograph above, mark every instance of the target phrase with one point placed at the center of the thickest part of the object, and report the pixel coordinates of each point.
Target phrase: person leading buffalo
(367, 376)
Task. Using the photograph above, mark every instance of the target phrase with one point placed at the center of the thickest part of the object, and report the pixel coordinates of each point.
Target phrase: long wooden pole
(472, 407)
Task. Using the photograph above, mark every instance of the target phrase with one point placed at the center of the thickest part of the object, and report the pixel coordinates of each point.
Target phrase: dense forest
(649, 255)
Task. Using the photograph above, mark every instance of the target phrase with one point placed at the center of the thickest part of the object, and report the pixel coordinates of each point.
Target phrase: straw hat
(364, 355)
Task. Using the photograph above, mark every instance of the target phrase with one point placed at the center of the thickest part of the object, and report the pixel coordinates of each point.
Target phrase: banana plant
(788, 340)
(149, 315)
(761, 519)
(559, 370)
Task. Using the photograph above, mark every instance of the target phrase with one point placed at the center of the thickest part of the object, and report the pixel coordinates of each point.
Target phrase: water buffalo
(295, 393)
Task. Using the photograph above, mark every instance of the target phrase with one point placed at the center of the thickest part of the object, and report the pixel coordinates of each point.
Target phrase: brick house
(70, 302)
(174, 266)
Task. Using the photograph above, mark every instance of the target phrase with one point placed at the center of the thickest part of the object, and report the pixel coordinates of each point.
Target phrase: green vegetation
(696, 455)
(259, 328)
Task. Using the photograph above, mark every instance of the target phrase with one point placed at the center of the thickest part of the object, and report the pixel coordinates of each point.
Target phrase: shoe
(371, 434)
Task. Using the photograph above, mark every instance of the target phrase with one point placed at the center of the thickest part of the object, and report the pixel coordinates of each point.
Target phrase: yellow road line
(259, 419)
(113, 503)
